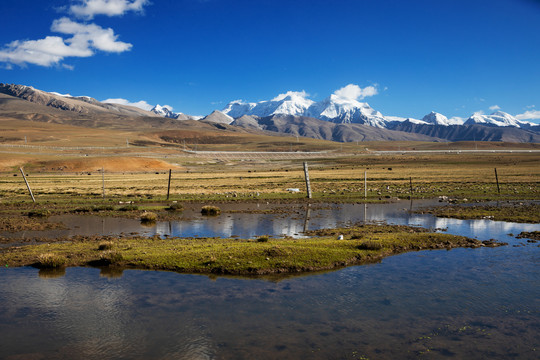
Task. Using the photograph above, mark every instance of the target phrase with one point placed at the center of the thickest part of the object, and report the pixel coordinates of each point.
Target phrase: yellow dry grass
(387, 175)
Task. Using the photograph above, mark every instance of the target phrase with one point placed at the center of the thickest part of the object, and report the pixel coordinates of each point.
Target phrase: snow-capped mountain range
(343, 110)
(334, 108)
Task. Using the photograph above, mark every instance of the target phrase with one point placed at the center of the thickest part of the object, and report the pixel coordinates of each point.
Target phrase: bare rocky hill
(325, 130)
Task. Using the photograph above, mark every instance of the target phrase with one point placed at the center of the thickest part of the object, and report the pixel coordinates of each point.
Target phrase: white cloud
(301, 94)
(355, 92)
(53, 49)
(530, 106)
(529, 115)
(140, 104)
(88, 8)
(494, 108)
(44, 52)
(90, 35)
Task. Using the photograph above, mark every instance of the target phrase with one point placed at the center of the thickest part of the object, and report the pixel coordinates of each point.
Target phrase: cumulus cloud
(87, 36)
(355, 92)
(494, 108)
(529, 115)
(293, 94)
(53, 49)
(89, 8)
(44, 52)
(139, 104)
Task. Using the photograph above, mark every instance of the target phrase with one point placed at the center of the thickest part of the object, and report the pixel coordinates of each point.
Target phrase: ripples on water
(463, 303)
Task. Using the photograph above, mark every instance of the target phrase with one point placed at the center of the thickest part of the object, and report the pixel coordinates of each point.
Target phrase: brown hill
(81, 105)
(325, 130)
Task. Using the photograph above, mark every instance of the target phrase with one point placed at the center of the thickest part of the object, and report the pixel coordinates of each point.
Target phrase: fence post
(27, 185)
(169, 186)
(308, 185)
(103, 180)
(497, 180)
(365, 185)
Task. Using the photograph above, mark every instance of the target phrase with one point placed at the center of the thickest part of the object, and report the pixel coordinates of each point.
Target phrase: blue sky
(455, 57)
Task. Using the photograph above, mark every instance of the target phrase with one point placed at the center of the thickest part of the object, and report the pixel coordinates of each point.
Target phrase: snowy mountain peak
(346, 110)
(290, 103)
(238, 108)
(165, 111)
(334, 108)
(435, 118)
(498, 118)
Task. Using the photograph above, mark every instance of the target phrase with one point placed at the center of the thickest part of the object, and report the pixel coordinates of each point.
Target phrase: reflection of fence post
(497, 179)
(308, 185)
(27, 185)
(169, 186)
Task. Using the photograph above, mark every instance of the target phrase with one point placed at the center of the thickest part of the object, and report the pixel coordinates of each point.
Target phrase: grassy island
(322, 250)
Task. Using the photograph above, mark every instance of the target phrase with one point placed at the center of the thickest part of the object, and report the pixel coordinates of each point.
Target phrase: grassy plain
(464, 176)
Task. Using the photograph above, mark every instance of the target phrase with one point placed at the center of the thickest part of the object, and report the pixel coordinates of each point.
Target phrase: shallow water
(464, 303)
(289, 220)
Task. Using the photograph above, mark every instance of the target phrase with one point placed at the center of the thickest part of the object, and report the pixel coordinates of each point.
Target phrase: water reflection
(280, 220)
(464, 303)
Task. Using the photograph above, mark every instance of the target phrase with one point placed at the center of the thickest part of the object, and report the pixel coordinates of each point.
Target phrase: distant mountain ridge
(346, 111)
(335, 118)
(77, 104)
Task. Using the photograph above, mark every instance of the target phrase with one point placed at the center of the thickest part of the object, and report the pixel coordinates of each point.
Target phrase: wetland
(269, 276)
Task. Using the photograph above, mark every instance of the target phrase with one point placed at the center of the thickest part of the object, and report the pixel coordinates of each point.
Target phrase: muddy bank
(513, 212)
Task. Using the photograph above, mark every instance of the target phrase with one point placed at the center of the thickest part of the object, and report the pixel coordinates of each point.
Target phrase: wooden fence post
(103, 180)
(497, 180)
(365, 185)
(27, 185)
(308, 185)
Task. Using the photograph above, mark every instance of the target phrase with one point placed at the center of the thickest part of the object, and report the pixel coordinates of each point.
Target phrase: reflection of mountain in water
(291, 222)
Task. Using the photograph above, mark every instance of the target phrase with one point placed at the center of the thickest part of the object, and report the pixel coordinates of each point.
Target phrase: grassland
(236, 256)
(462, 176)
